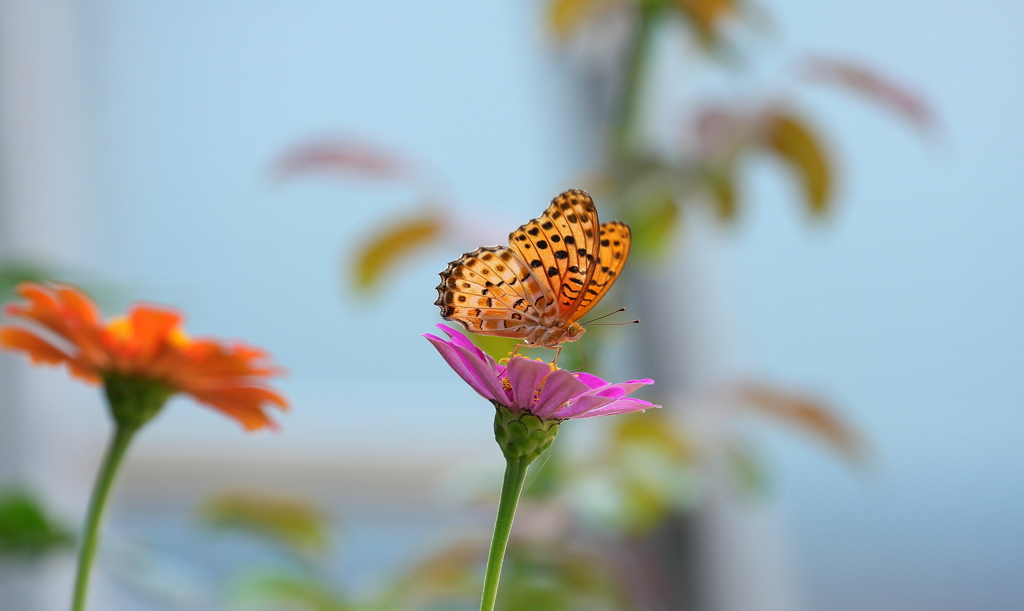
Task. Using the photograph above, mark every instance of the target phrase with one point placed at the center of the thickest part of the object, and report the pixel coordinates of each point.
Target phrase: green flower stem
(115, 453)
(632, 85)
(515, 474)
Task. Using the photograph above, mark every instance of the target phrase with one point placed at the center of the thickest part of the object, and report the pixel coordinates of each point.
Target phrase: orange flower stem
(104, 480)
(515, 475)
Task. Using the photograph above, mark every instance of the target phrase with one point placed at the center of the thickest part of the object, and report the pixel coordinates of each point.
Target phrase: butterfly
(554, 270)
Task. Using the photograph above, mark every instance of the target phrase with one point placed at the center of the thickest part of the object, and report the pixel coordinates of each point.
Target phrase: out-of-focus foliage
(26, 531)
(272, 590)
(876, 87)
(556, 574)
(566, 17)
(400, 239)
(297, 526)
(796, 144)
(13, 273)
(808, 414)
(345, 157)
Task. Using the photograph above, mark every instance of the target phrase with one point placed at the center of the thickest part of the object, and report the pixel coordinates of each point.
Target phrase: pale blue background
(903, 308)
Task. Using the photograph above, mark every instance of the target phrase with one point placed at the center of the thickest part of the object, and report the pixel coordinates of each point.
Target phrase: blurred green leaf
(26, 530)
(721, 183)
(797, 144)
(274, 591)
(295, 524)
(746, 469)
(13, 273)
(653, 223)
(394, 242)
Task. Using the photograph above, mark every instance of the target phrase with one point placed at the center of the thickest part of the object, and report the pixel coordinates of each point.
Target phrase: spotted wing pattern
(612, 254)
(561, 248)
(492, 291)
(556, 268)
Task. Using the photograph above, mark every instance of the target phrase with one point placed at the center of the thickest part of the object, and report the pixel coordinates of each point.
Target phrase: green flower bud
(133, 400)
(521, 435)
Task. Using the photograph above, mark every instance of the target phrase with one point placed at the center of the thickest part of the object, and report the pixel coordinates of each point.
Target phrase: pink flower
(535, 387)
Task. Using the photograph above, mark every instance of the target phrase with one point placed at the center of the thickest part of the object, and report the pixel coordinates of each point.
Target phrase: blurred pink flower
(536, 387)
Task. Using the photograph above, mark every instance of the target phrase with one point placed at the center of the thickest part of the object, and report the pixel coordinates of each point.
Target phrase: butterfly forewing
(561, 249)
(491, 291)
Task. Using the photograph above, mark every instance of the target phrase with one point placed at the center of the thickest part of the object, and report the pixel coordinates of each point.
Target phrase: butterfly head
(573, 332)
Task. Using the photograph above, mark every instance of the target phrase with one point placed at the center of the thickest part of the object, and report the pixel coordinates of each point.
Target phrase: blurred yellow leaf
(796, 144)
(704, 15)
(395, 241)
(565, 16)
(809, 414)
(721, 184)
(298, 525)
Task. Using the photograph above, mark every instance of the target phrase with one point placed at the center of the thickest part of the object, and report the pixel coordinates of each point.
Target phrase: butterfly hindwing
(561, 249)
(614, 242)
(491, 291)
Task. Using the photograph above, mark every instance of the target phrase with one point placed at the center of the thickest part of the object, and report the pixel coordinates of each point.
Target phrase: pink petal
(462, 341)
(525, 375)
(486, 371)
(457, 362)
(581, 405)
(559, 387)
(590, 379)
(622, 406)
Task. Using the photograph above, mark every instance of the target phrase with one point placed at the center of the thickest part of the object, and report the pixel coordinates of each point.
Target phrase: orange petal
(244, 404)
(38, 349)
(85, 310)
(151, 329)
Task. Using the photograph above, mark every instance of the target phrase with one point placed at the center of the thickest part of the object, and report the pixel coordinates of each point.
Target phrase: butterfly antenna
(616, 324)
(605, 316)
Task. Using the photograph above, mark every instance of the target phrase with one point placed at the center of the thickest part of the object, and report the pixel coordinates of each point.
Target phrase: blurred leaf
(566, 16)
(808, 414)
(26, 530)
(705, 15)
(396, 241)
(890, 94)
(652, 430)
(274, 591)
(298, 526)
(721, 184)
(346, 158)
(13, 273)
(749, 474)
(450, 569)
(796, 144)
(654, 223)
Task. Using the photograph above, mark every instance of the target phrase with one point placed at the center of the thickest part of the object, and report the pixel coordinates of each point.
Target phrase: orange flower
(145, 351)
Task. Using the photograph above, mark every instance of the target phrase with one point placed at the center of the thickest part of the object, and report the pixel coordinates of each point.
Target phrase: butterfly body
(555, 269)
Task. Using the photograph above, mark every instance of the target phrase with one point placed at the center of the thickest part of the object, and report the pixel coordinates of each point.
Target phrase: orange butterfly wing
(562, 248)
(557, 267)
(491, 291)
